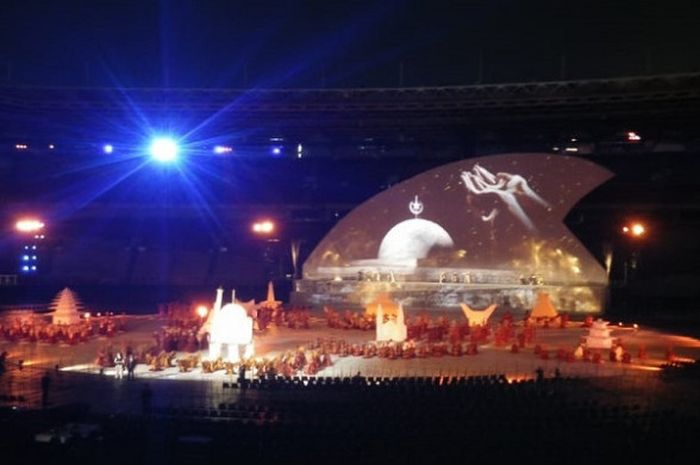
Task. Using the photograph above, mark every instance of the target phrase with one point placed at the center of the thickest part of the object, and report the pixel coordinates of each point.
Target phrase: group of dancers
(35, 330)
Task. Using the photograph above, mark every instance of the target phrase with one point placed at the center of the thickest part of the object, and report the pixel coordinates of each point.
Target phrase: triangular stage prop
(543, 307)
(478, 317)
(270, 302)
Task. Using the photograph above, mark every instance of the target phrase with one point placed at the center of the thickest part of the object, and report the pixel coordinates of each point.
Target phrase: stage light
(635, 229)
(29, 225)
(21, 146)
(164, 149)
(25, 268)
(108, 148)
(633, 136)
(300, 151)
(638, 229)
(202, 311)
(276, 150)
(221, 149)
(51, 146)
(263, 227)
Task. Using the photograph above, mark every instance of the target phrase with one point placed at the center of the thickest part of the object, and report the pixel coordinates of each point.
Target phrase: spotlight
(29, 225)
(633, 137)
(263, 227)
(164, 149)
(635, 229)
(221, 149)
(108, 148)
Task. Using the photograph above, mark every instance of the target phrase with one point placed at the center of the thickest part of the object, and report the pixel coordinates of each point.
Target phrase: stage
(276, 340)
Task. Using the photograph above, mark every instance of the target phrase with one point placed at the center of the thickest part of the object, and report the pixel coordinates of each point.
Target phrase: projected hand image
(509, 187)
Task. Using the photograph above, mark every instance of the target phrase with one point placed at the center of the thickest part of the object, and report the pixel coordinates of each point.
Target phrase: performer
(130, 366)
(45, 384)
(119, 365)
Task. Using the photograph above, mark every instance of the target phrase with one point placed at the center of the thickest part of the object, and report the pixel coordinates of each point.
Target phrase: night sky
(340, 43)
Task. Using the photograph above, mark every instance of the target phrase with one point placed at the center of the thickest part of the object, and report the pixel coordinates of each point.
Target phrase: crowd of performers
(36, 330)
(439, 336)
(125, 359)
(180, 334)
(428, 336)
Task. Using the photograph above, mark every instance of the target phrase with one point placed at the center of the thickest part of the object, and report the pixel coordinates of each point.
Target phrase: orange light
(635, 229)
(263, 227)
(202, 311)
(29, 225)
(638, 229)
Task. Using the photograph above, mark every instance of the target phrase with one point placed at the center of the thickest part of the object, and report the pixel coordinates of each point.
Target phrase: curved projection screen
(479, 230)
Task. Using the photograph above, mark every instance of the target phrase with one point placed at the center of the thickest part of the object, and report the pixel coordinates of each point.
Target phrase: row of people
(33, 330)
(394, 350)
(294, 317)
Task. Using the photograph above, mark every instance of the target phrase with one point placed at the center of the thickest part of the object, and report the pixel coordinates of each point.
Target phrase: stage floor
(490, 360)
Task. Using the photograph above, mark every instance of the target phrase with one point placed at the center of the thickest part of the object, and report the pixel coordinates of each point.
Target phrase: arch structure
(479, 231)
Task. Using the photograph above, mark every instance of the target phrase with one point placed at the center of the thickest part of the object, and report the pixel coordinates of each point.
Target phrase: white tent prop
(394, 329)
(65, 308)
(478, 317)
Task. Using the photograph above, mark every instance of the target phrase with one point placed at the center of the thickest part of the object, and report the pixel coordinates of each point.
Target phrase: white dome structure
(65, 308)
(230, 327)
(411, 240)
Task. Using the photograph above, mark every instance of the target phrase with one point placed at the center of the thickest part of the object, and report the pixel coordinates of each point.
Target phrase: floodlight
(29, 225)
(164, 149)
(221, 149)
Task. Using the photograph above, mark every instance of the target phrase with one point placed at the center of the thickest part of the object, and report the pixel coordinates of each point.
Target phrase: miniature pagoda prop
(599, 336)
(65, 308)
